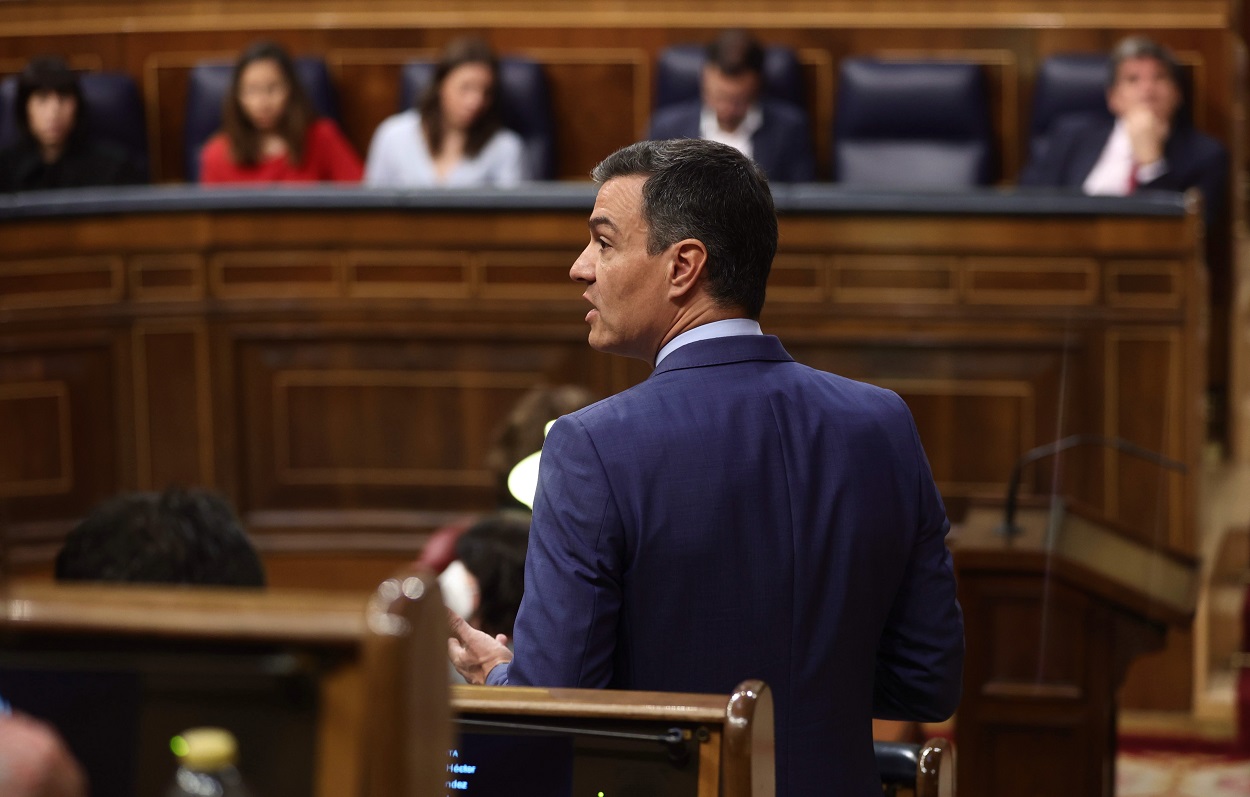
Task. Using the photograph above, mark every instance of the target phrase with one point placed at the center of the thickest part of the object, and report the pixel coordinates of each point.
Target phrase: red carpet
(1150, 766)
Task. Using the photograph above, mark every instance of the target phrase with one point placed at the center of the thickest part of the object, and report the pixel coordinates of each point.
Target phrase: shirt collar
(710, 128)
(717, 329)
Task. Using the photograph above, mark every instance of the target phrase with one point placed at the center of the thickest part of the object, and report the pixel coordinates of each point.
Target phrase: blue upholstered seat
(912, 125)
(678, 67)
(1069, 83)
(524, 104)
(114, 113)
(207, 86)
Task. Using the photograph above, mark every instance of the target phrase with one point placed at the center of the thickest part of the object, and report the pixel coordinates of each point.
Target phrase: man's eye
(602, 243)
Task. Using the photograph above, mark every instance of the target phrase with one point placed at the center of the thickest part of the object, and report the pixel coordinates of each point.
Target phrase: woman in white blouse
(453, 138)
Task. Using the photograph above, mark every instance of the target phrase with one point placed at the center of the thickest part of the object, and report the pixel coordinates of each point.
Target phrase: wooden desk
(315, 685)
(336, 361)
(723, 745)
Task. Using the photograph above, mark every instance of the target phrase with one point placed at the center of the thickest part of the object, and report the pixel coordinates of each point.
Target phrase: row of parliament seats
(913, 123)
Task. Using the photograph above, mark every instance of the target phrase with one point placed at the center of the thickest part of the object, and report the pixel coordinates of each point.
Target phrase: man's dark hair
(493, 550)
(175, 537)
(713, 193)
(1142, 47)
(297, 117)
(49, 73)
(736, 52)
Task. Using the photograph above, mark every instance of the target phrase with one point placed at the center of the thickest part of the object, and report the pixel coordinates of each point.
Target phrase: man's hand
(475, 653)
(1147, 133)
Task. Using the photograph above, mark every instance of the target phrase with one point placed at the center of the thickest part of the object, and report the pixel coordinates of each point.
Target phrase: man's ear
(686, 267)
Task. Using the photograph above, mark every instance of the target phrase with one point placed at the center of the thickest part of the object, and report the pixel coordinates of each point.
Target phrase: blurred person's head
(1143, 72)
(732, 75)
(523, 431)
(485, 583)
(266, 99)
(49, 106)
(175, 537)
(34, 761)
(462, 98)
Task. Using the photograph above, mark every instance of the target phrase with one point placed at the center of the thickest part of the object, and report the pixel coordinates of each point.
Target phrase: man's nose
(582, 269)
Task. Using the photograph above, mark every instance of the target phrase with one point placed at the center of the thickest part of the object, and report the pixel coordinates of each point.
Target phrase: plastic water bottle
(206, 764)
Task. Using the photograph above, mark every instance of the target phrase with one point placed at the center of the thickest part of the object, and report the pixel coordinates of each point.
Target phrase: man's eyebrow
(601, 221)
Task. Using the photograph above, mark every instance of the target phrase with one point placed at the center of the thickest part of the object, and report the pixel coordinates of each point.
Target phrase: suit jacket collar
(722, 351)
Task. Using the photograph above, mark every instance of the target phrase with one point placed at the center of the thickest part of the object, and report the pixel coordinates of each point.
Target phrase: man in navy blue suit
(1142, 143)
(736, 515)
(773, 133)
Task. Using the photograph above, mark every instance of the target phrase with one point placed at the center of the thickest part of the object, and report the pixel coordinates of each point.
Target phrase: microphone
(1009, 529)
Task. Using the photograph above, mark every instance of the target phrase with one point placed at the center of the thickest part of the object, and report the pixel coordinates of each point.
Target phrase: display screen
(518, 765)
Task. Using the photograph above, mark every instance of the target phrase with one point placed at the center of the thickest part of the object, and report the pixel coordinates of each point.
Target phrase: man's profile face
(729, 97)
(626, 287)
(1144, 82)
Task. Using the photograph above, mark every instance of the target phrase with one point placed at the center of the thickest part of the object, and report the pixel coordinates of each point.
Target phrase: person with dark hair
(175, 537)
(270, 130)
(54, 148)
(454, 137)
(736, 515)
(774, 134)
(485, 582)
(1144, 143)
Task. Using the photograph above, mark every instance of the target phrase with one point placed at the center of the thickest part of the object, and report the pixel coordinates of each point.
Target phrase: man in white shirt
(1143, 143)
(732, 111)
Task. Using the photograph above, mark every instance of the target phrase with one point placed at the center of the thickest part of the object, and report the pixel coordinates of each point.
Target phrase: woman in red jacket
(270, 130)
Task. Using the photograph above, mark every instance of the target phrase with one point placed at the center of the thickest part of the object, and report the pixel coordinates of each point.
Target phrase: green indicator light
(179, 746)
(600, 794)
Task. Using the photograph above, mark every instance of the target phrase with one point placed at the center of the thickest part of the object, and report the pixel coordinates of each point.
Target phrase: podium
(1053, 618)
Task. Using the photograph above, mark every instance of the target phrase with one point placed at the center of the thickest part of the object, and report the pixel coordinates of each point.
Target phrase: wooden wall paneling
(402, 420)
(907, 278)
(380, 426)
(1144, 283)
(412, 275)
(1145, 377)
(528, 275)
(1031, 281)
(178, 276)
(284, 274)
(61, 282)
(173, 404)
(601, 99)
(799, 278)
(35, 423)
(61, 445)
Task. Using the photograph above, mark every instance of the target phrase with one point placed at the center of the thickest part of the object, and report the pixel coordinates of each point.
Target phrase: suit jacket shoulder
(783, 144)
(1074, 143)
(676, 121)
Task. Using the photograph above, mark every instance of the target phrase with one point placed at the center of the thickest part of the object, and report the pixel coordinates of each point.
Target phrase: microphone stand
(1010, 530)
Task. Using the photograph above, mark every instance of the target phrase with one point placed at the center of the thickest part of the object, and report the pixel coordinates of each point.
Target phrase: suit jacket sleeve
(566, 629)
(921, 652)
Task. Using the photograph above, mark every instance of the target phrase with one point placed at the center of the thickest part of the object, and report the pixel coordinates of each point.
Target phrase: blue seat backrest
(912, 124)
(114, 113)
(1069, 83)
(207, 87)
(678, 69)
(524, 105)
